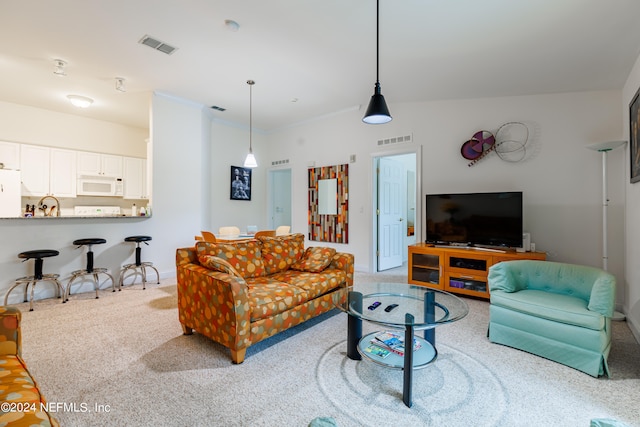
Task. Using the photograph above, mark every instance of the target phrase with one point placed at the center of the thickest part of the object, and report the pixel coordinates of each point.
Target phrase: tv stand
(458, 269)
(477, 248)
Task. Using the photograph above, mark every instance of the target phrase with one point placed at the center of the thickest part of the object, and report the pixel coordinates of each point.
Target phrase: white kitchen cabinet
(10, 155)
(34, 164)
(47, 171)
(62, 175)
(10, 203)
(98, 164)
(135, 178)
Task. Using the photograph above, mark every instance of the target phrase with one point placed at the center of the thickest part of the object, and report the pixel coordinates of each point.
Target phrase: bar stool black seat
(138, 267)
(90, 270)
(38, 275)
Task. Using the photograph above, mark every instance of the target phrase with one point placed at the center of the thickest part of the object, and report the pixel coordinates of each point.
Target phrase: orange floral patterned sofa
(20, 398)
(241, 293)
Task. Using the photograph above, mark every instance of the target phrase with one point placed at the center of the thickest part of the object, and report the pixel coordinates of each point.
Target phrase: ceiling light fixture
(250, 161)
(120, 87)
(80, 101)
(58, 69)
(377, 112)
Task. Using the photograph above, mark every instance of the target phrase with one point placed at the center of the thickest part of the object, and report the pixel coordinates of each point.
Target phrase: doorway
(396, 191)
(279, 205)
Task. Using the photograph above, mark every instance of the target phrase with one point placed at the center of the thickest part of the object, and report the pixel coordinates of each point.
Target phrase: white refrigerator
(10, 203)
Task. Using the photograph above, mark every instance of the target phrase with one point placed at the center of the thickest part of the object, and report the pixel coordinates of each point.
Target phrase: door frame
(417, 150)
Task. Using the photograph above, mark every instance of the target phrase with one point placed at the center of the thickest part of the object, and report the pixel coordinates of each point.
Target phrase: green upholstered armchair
(558, 311)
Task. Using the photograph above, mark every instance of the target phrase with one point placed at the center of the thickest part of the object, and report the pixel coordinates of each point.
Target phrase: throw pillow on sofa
(280, 252)
(218, 264)
(245, 257)
(315, 259)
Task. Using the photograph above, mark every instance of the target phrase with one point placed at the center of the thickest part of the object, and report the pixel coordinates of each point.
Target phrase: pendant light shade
(250, 160)
(377, 112)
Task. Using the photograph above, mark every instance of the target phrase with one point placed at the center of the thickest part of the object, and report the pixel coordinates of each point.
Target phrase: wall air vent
(279, 162)
(215, 107)
(157, 45)
(396, 140)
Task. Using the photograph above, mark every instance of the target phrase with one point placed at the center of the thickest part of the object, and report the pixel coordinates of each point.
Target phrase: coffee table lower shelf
(422, 357)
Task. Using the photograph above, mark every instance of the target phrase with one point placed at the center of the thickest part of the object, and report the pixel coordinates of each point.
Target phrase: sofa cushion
(314, 284)
(218, 264)
(245, 257)
(314, 259)
(280, 252)
(559, 308)
(269, 296)
(19, 386)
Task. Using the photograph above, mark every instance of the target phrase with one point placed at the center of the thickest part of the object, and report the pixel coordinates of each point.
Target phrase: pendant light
(250, 161)
(377, 112)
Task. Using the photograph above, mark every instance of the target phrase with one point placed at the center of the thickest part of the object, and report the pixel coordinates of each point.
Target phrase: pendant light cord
(250, 83)
(377, 40)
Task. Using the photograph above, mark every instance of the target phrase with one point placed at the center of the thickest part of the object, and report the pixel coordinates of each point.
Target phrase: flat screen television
(475, 219)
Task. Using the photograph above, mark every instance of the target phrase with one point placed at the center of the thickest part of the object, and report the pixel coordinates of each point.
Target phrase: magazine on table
(394, 341)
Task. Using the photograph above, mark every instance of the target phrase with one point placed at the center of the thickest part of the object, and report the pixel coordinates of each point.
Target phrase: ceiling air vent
(157, 45)
(279, 162)
(396, 140)
(215, 107)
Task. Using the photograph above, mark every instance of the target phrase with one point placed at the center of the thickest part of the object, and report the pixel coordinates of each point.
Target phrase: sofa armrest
(215, 304)
(344, 261)
(603, 295)
(186, 256)
(10, 333)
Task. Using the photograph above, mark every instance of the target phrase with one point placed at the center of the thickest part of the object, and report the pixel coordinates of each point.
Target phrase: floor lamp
(604, 148)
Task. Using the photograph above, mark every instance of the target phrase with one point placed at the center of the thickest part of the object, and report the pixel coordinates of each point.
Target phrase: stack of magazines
(387, 342)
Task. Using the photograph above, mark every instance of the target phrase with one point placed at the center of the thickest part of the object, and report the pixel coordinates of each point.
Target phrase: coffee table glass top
(410, 299)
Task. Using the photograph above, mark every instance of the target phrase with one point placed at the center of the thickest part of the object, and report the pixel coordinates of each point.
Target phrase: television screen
(489, 219)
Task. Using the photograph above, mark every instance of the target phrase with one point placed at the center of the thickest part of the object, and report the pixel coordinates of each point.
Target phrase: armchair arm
(603, 295)
(10, 333)
(502, 278)
(344, 261)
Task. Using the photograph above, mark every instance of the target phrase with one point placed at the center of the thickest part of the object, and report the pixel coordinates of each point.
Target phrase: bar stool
(38, 276)
(139, 265)
(90, 270)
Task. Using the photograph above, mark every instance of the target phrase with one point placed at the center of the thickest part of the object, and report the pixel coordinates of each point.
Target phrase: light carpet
(122, 360)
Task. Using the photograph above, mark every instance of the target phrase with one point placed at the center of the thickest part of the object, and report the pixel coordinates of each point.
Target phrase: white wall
(632, 227)
(560, 178)
(29, 125)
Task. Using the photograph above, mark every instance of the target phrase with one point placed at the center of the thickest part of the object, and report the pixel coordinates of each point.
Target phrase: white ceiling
(321, 53)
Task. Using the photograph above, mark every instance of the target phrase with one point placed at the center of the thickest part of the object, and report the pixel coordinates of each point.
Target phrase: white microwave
(99, 186)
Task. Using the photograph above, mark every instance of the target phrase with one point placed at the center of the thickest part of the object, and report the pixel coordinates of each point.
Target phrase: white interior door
(280, 197)
(391, 200)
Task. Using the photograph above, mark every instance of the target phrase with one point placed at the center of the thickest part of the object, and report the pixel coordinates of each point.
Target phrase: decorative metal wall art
(509, 143)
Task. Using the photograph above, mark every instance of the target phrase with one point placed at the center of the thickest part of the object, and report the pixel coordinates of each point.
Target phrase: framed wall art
(240, 183)
(634, 131)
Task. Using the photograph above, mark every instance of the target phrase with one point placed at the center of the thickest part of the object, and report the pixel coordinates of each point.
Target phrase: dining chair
(208, 236)
(198, 238)
(283, 229)
(229, 231)
(268, 233)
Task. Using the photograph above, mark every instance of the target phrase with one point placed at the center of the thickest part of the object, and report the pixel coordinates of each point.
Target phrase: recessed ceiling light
(80, 101)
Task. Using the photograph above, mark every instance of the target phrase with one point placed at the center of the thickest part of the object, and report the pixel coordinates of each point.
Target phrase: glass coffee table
(398, 306)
